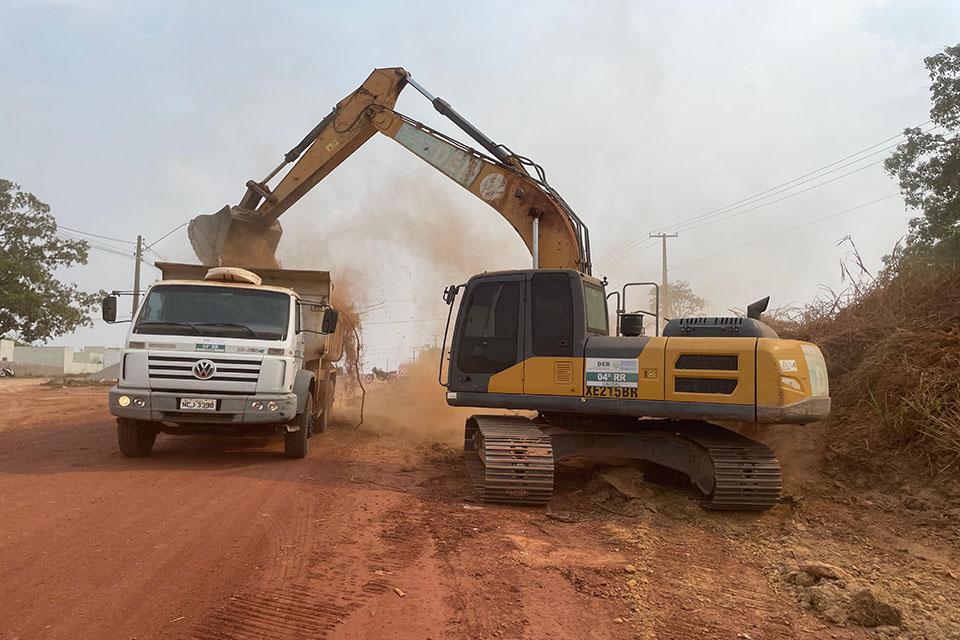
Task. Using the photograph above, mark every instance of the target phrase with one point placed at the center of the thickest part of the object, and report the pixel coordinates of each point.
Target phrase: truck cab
(227, 351)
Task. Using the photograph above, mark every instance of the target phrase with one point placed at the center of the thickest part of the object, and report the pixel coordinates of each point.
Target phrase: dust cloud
(404, 234)
(390, 253)
(415, 406)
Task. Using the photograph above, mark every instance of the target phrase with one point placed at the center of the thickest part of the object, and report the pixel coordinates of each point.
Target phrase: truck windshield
(215, 311)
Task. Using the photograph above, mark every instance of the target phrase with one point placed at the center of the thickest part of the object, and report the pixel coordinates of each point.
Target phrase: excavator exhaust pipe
(229, 238)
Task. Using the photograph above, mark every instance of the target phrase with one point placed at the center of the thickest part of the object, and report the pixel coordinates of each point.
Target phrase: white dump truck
(227, 351)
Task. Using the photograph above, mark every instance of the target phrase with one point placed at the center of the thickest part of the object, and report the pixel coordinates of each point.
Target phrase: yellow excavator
(540, 339)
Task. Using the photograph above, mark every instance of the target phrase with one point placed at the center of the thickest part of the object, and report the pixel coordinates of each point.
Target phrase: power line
(734, 213)
(608, 260)
(807, 177)
(749, 201)
(95, 245)
(157, 254)
(103, 248)
(67, 235)
(725, 213)
(786, 231)
(94, 235)
(167, 234)
(625, 250)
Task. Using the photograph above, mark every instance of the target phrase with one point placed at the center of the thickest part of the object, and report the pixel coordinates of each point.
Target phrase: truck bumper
(164, 406)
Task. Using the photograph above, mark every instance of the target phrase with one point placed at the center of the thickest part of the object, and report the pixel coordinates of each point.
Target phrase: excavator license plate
(611, 392)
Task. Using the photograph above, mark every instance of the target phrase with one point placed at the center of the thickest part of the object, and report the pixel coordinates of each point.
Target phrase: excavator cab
(525, 331)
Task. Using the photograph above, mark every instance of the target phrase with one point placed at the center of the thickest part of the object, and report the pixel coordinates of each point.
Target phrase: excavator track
(509, 459)
(747, 473)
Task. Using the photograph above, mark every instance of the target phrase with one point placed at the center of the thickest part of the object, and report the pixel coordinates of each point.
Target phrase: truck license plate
(197, 404)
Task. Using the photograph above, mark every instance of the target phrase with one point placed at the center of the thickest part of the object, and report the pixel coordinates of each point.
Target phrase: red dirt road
(221, 538)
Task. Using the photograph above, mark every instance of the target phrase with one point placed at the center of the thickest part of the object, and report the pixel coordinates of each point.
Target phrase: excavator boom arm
(513, 193)
(333, 140)
(548, 227)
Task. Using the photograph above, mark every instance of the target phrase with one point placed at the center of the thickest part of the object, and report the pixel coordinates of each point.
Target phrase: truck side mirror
(329, 322)
(108, 309)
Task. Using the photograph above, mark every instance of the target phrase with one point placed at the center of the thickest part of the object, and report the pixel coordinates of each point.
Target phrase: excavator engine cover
(718, 328)
(228, 238)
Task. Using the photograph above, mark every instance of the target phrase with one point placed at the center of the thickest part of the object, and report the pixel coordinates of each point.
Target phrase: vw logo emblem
(204, 369)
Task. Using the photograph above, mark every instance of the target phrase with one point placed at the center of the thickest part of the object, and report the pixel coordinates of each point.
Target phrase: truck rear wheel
(296, 444)
(135, 438)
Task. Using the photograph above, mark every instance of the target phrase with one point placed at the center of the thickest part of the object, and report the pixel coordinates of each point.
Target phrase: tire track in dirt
(328, 584)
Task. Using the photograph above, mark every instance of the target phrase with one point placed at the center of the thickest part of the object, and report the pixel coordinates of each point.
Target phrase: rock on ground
(866, 610)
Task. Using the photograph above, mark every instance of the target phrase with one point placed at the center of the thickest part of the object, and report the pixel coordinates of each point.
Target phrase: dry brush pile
(892, 346)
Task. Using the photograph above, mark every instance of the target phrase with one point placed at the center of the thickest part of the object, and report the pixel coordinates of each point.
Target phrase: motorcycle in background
(381, 375)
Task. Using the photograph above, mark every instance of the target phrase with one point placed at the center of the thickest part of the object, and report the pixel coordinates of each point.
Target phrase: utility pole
(664, 293)
(136, 276)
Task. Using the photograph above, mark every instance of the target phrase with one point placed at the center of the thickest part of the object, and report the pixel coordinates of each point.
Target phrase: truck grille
(176, 372)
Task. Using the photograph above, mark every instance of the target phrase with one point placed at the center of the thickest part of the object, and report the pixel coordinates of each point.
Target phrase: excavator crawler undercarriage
(511, 458)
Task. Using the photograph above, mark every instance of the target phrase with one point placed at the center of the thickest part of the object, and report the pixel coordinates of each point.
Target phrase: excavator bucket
(228, 238)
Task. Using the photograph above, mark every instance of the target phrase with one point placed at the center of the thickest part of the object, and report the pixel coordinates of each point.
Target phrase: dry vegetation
(892, 345)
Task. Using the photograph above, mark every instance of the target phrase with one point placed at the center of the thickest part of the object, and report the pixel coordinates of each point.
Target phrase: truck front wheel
(135, 438)
(297, 443)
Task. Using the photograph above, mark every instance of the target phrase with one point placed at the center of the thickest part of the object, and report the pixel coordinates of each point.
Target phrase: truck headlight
(139, 402)
(257, 405)
(123, 401)
(273, 405)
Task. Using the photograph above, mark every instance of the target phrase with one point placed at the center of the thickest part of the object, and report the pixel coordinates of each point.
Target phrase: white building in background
(57, 360)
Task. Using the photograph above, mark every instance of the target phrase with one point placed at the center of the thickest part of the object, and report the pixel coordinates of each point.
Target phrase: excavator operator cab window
(489, 342)
(552, 314)
(596, 307)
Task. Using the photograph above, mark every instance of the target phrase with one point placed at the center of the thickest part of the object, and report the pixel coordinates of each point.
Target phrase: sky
(130, 118)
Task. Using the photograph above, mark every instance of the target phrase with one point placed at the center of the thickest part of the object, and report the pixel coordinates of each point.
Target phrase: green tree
(33, 304)
(679, 299)
(927, 165)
